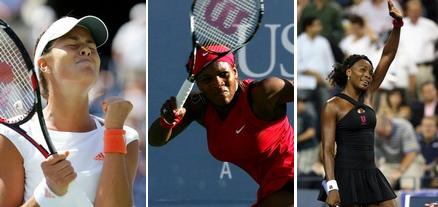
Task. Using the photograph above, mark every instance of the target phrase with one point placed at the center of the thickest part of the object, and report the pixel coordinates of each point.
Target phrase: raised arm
(328, 132)
(390, 48)
(118, 171)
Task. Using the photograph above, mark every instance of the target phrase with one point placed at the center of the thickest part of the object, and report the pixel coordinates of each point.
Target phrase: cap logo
(204, 57)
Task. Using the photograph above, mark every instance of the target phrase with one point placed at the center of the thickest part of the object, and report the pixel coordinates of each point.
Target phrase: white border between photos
(147, 113)
(295, 103)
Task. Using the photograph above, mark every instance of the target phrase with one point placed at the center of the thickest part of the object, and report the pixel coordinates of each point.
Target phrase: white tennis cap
(62, 26)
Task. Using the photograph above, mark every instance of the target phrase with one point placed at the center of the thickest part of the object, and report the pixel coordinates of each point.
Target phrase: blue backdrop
(183, 173)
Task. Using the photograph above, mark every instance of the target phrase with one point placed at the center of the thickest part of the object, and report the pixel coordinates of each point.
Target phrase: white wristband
(45, 197)
(73, 198)
(330, 185)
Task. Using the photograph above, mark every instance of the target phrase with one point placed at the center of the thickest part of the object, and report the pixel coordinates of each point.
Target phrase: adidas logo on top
(99, 156)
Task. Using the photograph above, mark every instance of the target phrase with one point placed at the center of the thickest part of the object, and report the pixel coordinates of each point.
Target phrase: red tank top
(264, 149)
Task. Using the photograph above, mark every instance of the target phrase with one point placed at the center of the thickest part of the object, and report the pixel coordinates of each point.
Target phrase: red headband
(203, 57)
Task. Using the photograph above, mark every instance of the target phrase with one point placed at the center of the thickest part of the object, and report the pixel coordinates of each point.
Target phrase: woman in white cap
(97, 158)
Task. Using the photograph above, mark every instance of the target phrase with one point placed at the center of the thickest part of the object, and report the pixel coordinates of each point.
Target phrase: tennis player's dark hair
(43, 81)
(338, 76)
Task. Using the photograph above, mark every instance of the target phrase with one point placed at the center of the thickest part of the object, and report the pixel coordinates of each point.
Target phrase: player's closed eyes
(92, 48)
(72, 46)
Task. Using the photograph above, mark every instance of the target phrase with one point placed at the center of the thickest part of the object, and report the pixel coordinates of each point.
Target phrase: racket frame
(37, 108)
(187, 86)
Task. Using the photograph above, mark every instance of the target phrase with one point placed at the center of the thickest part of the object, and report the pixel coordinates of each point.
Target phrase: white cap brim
(97, 28)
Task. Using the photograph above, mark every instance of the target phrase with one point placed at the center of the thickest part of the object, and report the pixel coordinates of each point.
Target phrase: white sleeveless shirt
(86, 155)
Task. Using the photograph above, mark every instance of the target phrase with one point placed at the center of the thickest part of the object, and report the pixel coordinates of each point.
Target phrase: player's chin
(363, 87)
(87, 78)
(90, 70)
(88, 66)
(220, 100)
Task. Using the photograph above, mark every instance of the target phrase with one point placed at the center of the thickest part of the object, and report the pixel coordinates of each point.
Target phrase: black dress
(359, 180)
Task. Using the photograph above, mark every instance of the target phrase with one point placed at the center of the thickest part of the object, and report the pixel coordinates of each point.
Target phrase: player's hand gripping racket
(220, 27)
(19, 89)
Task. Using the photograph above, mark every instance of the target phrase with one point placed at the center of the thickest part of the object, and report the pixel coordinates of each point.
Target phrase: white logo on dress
(240, 129)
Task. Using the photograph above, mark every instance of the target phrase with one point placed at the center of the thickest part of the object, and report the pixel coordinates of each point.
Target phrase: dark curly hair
(338, 76)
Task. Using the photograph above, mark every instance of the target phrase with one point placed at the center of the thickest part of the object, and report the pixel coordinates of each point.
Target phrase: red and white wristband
(165, 124)
(46, 197)
(73, 198)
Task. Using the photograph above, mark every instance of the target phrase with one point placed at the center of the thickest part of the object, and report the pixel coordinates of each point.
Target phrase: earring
(348, 78)
(45, 70)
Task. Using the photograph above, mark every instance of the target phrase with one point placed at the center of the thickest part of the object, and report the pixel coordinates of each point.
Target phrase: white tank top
(86, 155)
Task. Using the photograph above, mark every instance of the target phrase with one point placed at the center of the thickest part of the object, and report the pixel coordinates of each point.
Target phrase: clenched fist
(116, 111)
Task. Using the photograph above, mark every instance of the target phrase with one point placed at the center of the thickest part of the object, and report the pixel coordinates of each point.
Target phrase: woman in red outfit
(246, 125)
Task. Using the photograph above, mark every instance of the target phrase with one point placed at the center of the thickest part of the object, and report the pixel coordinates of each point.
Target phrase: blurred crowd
(406, 135)
(123, 68)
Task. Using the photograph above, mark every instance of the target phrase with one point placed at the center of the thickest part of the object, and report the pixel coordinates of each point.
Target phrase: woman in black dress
(352, 176)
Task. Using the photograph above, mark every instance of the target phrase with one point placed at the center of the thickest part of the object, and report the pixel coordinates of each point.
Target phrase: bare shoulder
(336, 106)
(331, 100)
(332, 103)
(272, 84)
(273, 91)
(273, 80)
(8, 150)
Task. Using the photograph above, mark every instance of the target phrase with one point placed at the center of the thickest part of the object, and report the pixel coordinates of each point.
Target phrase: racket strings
(21, 78)
(16, 94)
(212, 36)
(235, 30)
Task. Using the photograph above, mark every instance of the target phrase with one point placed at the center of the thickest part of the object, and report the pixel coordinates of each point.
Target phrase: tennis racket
(220, 27)
(20, 95)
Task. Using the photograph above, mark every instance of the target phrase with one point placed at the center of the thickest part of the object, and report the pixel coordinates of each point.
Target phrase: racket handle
(183, 93)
